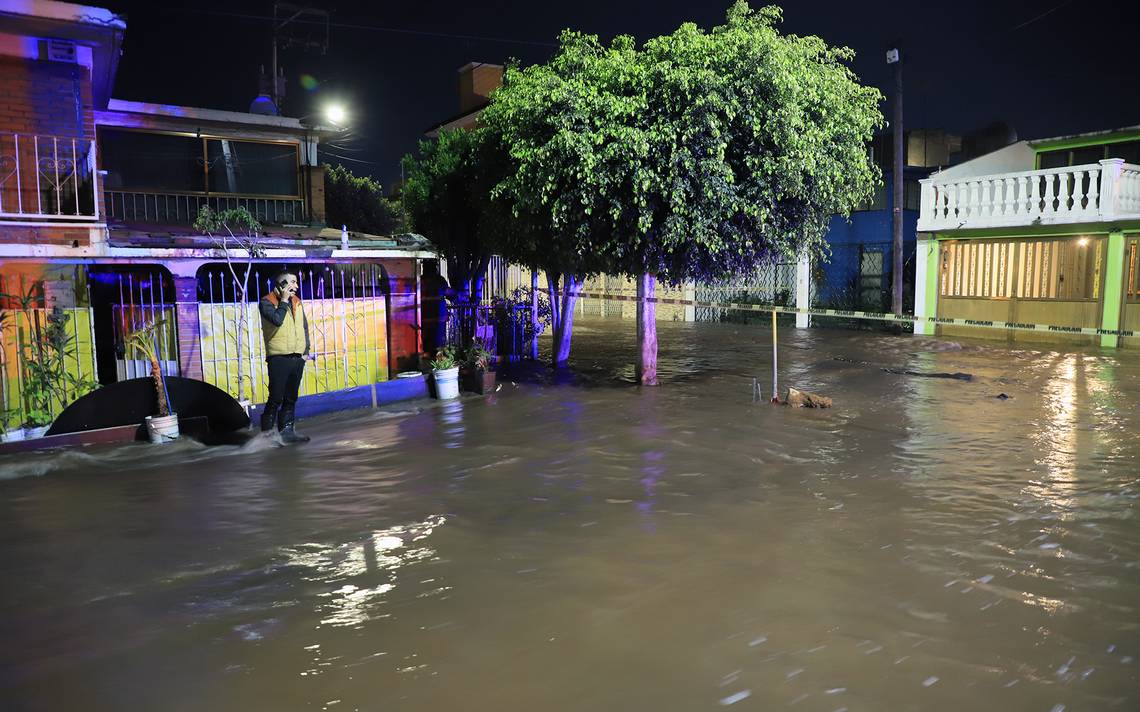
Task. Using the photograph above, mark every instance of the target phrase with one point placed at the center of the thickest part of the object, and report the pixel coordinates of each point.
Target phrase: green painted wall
(1113, 287)
(1082, 142)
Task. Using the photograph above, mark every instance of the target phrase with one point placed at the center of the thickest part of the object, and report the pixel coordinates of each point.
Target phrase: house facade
(1039, 234)
(98, 198)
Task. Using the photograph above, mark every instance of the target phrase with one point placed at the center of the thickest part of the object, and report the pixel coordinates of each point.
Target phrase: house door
(871, 280)
(124, 299)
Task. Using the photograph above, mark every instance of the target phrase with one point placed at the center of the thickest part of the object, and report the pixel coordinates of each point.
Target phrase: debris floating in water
(957, 376)
(737, 697)
(757, 641)
(802, 399)
(929, 681)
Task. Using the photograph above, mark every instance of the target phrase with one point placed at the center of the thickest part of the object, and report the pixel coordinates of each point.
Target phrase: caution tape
(874, 316)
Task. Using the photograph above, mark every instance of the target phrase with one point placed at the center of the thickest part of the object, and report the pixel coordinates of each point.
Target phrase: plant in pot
(162, 427)
(45, 352)
(445, 372)
(477, 373)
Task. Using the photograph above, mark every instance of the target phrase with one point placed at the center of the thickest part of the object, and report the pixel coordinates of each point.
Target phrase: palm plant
(144, 339)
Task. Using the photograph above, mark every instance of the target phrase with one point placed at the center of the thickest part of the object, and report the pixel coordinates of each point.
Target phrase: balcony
(47, 178)
(1102, 192)
(179, 208)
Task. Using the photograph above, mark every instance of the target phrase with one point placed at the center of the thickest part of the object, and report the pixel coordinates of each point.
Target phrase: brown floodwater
(589, 545)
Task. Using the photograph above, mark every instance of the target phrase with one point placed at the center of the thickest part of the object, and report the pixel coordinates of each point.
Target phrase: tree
(447, 196)
(698, 156)
(359, 203)
(237, 235)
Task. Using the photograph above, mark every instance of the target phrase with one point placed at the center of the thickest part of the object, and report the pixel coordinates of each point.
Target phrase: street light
(336, 114)
(337, 117)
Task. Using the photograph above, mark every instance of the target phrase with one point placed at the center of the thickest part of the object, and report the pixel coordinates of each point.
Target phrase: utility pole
(284, 15)
(897, 179)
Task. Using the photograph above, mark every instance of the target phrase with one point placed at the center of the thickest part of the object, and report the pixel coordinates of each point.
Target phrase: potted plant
(477, 373)
(9, 434)
(445, 371)
(163, 427)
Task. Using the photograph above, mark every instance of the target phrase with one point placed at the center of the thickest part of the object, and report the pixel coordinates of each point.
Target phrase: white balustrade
(1095, 192)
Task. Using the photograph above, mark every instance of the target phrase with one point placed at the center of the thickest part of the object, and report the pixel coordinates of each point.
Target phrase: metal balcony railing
(182, 208)
(47, 178)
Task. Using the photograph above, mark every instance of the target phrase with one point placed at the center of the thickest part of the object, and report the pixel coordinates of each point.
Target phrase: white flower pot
(446, 383)
(14, 435)
(162, 429)
(36, 432)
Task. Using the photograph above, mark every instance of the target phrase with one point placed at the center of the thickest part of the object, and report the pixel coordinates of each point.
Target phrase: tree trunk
(552, 291)
(242, 321)
(159, 388)
(561, 350)
(534, 313)
(647, 330)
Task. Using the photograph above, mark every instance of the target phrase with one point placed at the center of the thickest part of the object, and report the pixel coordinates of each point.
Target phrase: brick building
(97, 203)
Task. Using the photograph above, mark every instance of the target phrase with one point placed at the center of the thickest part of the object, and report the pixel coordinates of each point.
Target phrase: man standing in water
(286, 331)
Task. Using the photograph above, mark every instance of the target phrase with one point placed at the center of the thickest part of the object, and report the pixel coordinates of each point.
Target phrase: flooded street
(924, 545)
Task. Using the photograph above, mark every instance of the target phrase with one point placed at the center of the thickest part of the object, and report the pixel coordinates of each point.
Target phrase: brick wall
(403, 331)
(44, 99)
(62, 235)
(318, 197)
(51, 98)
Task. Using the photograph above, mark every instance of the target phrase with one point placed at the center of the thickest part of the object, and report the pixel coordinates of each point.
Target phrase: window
(252, 168)
(1128, 150)
(135, 160)
(161, 162)
(1132, 288)
(1063, 269)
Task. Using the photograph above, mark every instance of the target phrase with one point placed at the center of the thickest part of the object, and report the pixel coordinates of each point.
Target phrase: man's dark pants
(285, 374)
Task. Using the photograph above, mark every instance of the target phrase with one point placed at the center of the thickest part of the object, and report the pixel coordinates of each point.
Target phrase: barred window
(1132, 288)
(1065, 269)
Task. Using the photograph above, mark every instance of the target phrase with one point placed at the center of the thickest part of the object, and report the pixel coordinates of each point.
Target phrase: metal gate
(138, 298)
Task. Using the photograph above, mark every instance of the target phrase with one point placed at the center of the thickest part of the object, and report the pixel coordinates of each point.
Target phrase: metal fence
(346, 309)
(859, 277)
(773, 283)
(46, 177)
(20, 329)
(182, 208)
(140, 300)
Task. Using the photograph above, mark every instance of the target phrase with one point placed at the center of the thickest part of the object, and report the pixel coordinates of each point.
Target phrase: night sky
(1046, 68)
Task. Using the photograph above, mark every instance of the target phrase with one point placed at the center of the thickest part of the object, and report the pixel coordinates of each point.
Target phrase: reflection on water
(593, 545)
(364, 572)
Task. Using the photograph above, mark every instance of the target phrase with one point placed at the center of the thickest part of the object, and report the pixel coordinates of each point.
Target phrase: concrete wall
(1014, 157)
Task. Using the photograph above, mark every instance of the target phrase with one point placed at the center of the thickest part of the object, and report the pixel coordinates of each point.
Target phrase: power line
(373, 28)
(1044, 14)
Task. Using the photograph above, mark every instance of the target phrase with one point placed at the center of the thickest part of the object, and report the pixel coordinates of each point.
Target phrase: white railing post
(803, 290)
(927, 203)
(1110, 187)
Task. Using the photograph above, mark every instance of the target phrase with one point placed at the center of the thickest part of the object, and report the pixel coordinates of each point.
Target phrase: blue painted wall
(838, 282)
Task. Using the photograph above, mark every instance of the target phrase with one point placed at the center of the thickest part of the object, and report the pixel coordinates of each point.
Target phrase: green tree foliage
(359, 203)
(447, 196)
(697, 156)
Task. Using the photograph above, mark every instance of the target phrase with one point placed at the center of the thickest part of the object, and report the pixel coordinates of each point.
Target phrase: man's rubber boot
(268, 419)
(286, 425)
